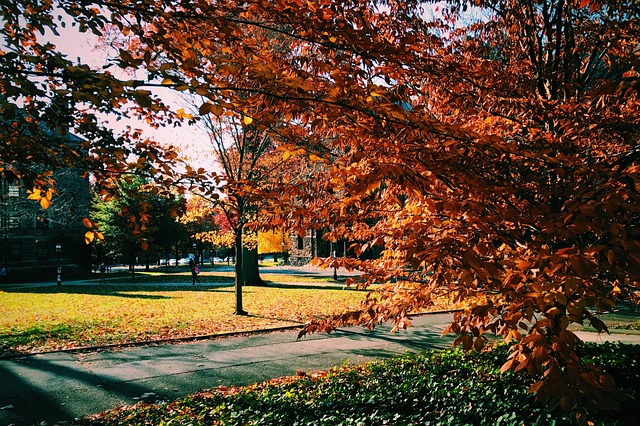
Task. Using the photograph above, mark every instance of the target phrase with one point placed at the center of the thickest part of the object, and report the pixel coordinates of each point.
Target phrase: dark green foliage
(138, 223)
(622, 362)
(433, 388)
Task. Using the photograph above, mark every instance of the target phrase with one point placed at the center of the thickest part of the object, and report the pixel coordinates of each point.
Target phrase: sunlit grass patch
(49, 318)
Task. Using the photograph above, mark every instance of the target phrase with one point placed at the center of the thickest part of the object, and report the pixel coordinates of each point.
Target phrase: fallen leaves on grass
(50, 318)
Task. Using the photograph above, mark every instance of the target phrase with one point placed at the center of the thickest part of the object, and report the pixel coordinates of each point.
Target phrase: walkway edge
(184, 339)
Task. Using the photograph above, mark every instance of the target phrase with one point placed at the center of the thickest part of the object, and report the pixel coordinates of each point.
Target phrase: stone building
(303, 249)
(30, 234)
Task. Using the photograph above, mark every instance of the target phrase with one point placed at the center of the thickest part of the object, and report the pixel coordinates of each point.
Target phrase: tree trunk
(132, 266)
(250, 268)
(239, 280)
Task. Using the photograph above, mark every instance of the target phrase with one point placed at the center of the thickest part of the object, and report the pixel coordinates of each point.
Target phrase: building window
(42, 250)
(15, 251)
(14, 222)
(300, 243)
(14, 191)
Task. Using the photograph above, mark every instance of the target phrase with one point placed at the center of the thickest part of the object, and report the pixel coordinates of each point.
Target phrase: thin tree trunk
(132, 266)
(239, 281)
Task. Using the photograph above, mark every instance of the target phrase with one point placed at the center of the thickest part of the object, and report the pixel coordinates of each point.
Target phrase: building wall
(29, 234)
(311, 245)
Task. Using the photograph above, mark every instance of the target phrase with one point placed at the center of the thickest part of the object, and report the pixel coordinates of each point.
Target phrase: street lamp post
(58, 250)
(335, 270)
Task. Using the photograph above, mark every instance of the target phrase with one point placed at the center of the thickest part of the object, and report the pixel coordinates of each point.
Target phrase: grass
(158, 305)
(49, 318)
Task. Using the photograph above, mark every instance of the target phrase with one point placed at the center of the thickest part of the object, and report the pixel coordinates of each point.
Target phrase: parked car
(183, 261)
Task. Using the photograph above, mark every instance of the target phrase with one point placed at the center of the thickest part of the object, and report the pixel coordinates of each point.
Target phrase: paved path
(62, 386)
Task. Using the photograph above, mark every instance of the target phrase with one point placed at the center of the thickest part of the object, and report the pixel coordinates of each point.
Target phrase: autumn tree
(510, 179)
(273, 242)
(137, 223)
(494, 160)
(201, 222)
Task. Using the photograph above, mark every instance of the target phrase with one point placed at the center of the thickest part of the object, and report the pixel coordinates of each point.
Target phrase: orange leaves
(93, 233)
(44, 197)
(209, 107)
(594, 5)
(181, 114)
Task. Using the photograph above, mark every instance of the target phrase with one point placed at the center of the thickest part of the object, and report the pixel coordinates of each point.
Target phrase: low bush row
(432, 388)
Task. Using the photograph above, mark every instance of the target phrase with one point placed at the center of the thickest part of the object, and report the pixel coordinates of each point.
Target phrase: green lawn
(54, 317)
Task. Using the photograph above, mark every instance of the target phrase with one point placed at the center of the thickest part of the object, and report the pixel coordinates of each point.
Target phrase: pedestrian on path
(102, 269)
(194, 270)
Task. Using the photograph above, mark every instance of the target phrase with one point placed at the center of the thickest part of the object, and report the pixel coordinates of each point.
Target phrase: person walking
(102, 269)
(194, 270)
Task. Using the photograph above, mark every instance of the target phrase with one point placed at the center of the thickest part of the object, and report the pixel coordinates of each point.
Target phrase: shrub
(431, 388)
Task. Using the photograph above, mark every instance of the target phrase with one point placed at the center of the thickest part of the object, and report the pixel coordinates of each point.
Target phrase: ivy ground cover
(432, 388)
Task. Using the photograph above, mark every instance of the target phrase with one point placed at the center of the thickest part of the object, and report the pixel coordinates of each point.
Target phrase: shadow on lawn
(131, 291)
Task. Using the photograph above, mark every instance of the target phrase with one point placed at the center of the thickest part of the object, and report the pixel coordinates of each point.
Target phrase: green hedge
(432, 388)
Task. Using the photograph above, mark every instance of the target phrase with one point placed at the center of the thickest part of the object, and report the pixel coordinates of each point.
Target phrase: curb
(186, 339)
(155, 342)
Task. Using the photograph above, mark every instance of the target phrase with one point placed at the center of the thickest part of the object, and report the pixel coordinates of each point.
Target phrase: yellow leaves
(89, 236)
(43, 197)
(247, 120)
(181, 114)
(292, 151)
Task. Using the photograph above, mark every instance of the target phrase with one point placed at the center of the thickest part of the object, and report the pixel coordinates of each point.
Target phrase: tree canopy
(495, 159)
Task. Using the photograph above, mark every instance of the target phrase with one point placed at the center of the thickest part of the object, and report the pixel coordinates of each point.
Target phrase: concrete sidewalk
(63, 386)
(265, 272)
(66, 385)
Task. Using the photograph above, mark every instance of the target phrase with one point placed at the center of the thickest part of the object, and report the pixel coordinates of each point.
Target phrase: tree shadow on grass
(131, 291)
(315, 286)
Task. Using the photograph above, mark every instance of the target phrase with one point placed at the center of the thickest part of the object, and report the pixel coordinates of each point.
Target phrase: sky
(193, 141)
